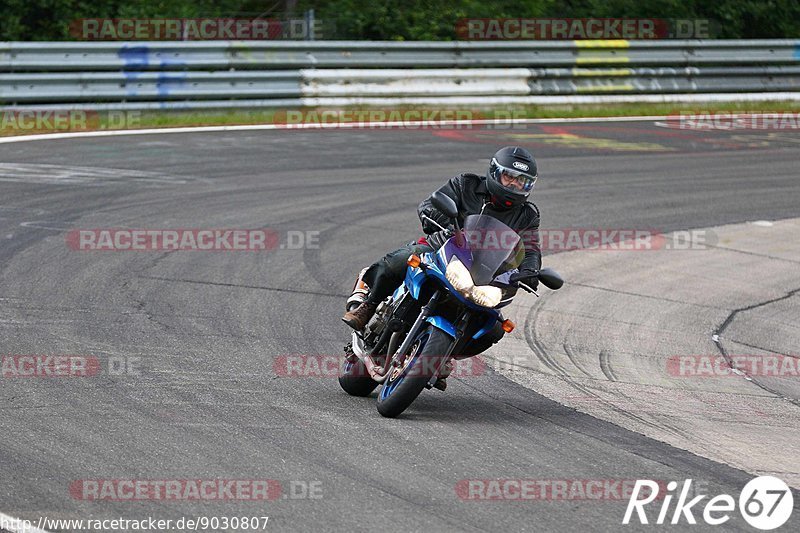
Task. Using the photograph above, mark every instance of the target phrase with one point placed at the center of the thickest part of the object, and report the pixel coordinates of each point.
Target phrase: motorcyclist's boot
(360, 292)
(358, 317)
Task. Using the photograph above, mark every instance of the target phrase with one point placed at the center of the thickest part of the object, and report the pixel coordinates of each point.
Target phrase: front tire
(427, 353)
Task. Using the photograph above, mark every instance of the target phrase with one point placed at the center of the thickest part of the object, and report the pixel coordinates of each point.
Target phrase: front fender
(443, 324)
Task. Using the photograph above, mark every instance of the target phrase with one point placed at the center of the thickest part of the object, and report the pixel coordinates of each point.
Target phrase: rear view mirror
(550, 279)
(445, 204)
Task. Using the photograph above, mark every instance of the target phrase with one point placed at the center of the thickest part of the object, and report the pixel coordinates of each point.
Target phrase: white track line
(340, 125)
(15, 525)
(317, 126)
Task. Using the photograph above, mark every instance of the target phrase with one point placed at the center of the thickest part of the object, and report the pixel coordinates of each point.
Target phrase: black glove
(528, 276)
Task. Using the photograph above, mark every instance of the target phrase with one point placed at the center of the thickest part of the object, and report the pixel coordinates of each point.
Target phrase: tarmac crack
(717, 338)
(764, 349)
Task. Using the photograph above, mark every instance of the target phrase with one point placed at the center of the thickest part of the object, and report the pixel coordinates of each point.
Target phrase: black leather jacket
(470, 194)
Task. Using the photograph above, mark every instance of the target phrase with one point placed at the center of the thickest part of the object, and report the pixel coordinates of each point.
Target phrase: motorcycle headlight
(486, 295)
(461, 280)
(459, 277)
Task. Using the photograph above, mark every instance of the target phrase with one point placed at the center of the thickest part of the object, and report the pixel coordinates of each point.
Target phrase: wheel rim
(395, 379)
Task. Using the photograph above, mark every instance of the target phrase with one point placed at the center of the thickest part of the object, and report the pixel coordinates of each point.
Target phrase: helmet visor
(512, 178)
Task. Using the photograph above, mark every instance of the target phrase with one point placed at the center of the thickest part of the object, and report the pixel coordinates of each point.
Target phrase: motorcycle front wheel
(405, 383)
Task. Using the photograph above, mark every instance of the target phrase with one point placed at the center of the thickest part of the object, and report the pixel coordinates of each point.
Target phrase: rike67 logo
(765, 503)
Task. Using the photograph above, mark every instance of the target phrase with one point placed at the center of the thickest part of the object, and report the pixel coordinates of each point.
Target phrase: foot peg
(349, 354)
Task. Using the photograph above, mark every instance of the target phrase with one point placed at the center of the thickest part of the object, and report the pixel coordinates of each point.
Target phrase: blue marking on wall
(167, 81)
(134, 57)
(137, 59)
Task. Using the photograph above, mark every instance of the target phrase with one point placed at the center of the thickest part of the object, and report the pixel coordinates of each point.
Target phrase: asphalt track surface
(207, 328)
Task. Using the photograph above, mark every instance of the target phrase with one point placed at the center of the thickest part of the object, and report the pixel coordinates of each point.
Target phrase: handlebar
(429, 219)
(527, 288)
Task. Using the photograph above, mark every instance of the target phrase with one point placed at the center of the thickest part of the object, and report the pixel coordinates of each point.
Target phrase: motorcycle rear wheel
(355, 380)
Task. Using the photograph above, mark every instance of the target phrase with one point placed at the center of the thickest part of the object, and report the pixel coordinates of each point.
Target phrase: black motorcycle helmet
(512, 175)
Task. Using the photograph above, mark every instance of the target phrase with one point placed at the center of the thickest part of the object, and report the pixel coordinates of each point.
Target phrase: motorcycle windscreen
(494, 247)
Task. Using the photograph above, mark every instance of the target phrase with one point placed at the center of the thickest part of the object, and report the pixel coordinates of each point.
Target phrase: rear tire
(355, 380)
(427, 352)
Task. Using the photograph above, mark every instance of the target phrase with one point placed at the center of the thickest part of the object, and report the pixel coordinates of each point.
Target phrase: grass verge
(18, 123)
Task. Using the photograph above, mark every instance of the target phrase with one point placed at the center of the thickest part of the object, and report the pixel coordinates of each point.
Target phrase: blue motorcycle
(450, 298)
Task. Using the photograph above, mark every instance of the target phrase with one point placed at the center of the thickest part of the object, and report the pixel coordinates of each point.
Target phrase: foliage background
(43, 20)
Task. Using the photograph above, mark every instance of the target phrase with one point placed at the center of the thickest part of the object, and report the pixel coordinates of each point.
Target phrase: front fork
(380, 373)
(426, 311)
(461, 325)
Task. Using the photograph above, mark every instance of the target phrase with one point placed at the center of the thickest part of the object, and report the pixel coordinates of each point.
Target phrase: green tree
(39, 20)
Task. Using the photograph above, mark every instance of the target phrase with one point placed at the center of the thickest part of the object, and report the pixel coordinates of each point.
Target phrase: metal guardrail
(147, 86)
(72, 73)
(158, 55)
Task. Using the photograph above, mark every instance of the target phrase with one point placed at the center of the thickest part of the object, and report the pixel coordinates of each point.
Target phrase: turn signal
(508, 326)
(413, 261)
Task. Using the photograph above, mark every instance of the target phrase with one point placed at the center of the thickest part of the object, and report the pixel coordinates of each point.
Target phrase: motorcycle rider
(502, 194)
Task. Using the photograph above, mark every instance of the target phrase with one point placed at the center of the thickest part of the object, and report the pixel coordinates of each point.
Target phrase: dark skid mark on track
(605, 366)
(240, 286)
(628, 293)
(568, 350)
(552, 363)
